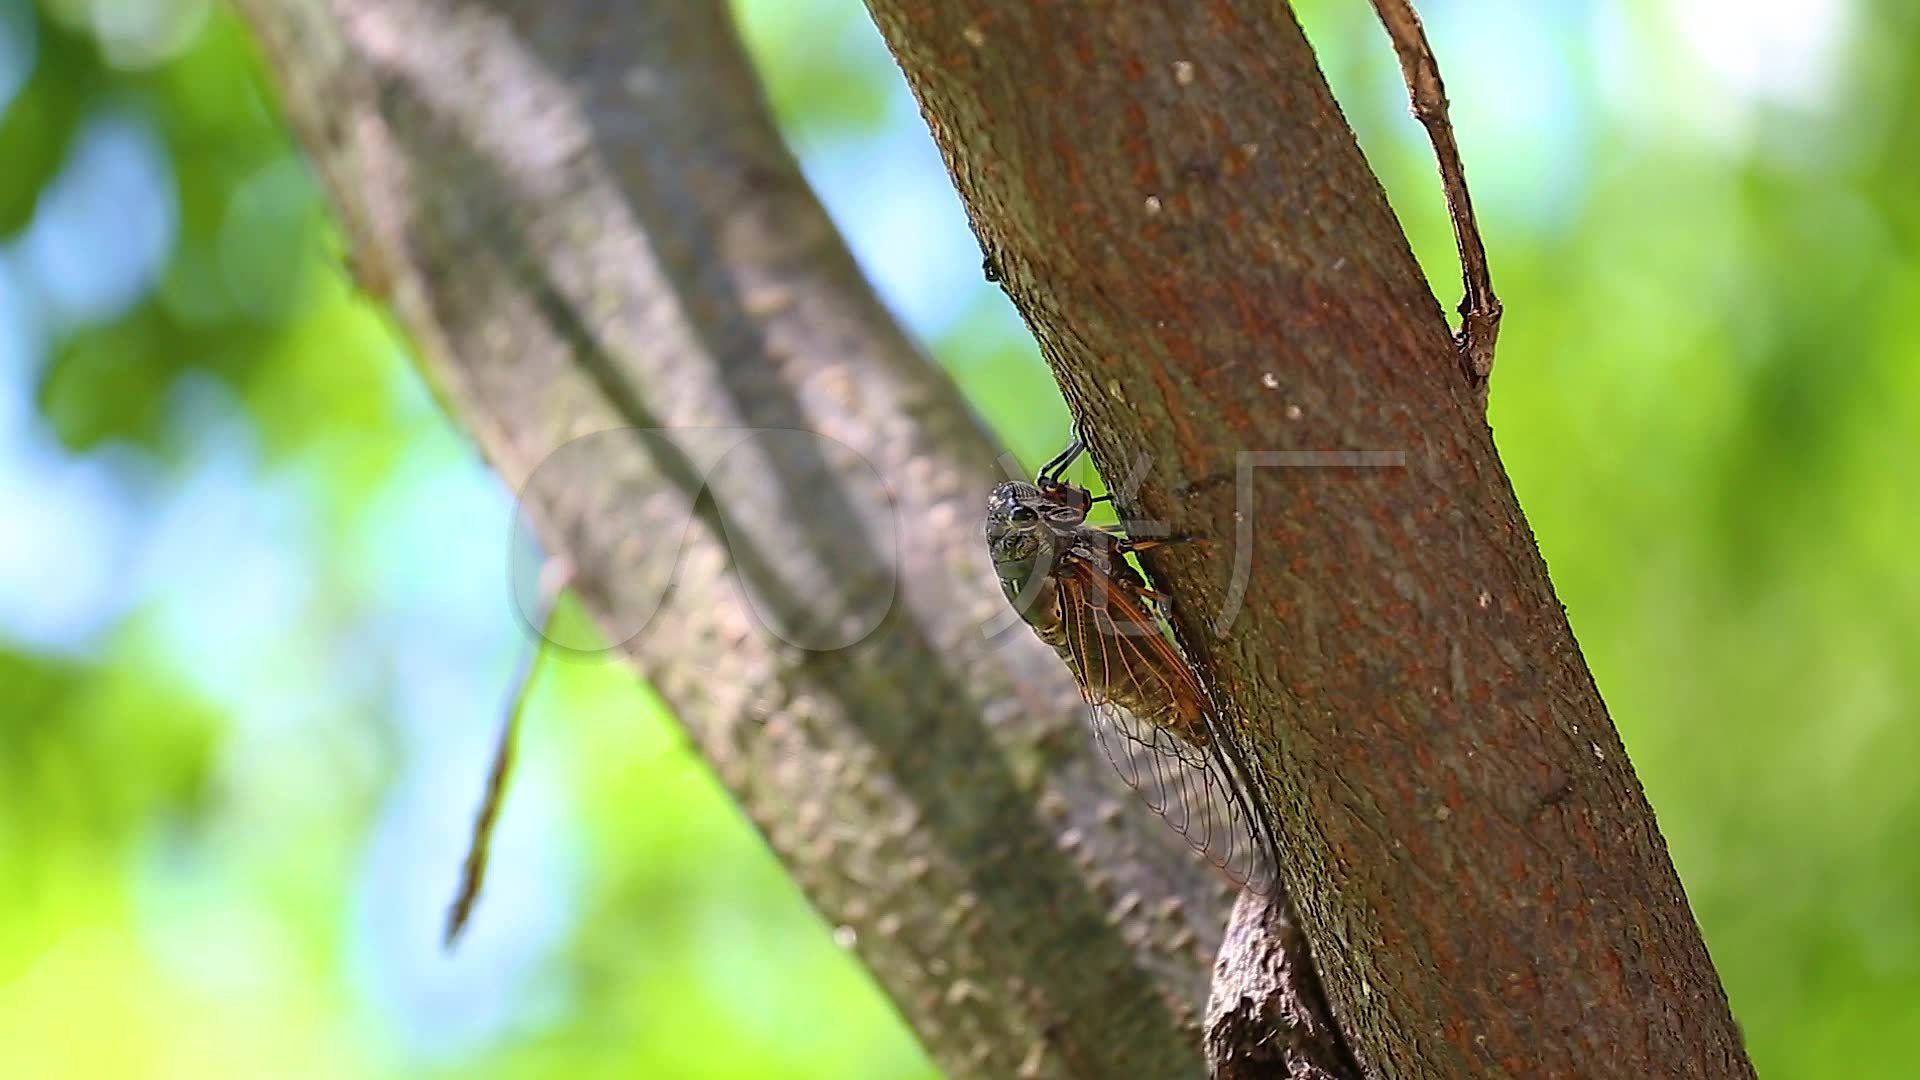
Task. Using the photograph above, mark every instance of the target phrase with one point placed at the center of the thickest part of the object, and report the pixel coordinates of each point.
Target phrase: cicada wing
(1131, 675)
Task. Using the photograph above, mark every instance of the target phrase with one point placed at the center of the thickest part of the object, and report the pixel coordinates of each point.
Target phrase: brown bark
(583, 218)
(1175, 203)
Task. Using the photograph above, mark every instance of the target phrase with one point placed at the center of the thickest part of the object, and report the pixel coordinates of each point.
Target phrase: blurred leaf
(37, 127)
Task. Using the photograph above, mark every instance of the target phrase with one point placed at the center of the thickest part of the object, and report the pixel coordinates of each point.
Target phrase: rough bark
(583, 218)
(1267, 1016)
(1170, 195)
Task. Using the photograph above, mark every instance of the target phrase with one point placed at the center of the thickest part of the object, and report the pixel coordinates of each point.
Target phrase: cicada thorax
(1065, 494)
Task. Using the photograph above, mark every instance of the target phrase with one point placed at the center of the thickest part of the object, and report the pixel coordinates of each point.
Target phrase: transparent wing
(1149, 716)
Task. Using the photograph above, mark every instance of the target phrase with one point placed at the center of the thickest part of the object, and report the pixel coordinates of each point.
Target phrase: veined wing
(1149, 716)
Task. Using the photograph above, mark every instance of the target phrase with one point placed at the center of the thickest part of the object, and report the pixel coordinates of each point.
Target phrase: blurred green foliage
(254, 626)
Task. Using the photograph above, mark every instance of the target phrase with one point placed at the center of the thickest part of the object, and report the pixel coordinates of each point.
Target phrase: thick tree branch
(1172, 198)
(584, 219)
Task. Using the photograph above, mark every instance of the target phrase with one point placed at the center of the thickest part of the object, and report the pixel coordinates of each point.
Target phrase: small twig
(554, 577)
(1479, 308)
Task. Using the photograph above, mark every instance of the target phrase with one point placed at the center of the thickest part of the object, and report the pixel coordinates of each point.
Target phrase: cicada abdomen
(1072, 584)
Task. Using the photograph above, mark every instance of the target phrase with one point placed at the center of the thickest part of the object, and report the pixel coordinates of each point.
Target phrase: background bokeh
(256, 631)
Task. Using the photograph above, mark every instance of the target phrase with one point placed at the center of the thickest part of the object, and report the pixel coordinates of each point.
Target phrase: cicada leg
(1161, 603)
(1052, 471)
(1125, 544)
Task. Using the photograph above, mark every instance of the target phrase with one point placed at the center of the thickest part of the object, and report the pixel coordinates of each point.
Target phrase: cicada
(1071, 582)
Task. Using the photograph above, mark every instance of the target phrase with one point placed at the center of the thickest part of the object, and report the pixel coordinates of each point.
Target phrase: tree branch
(609, 265)
(1479, 307)
(1174, 202)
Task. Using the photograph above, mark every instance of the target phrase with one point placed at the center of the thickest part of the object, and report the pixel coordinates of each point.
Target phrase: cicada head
(1025, 528)
(1017, 536)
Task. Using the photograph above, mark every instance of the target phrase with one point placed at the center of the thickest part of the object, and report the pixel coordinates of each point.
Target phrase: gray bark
(582, 217)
